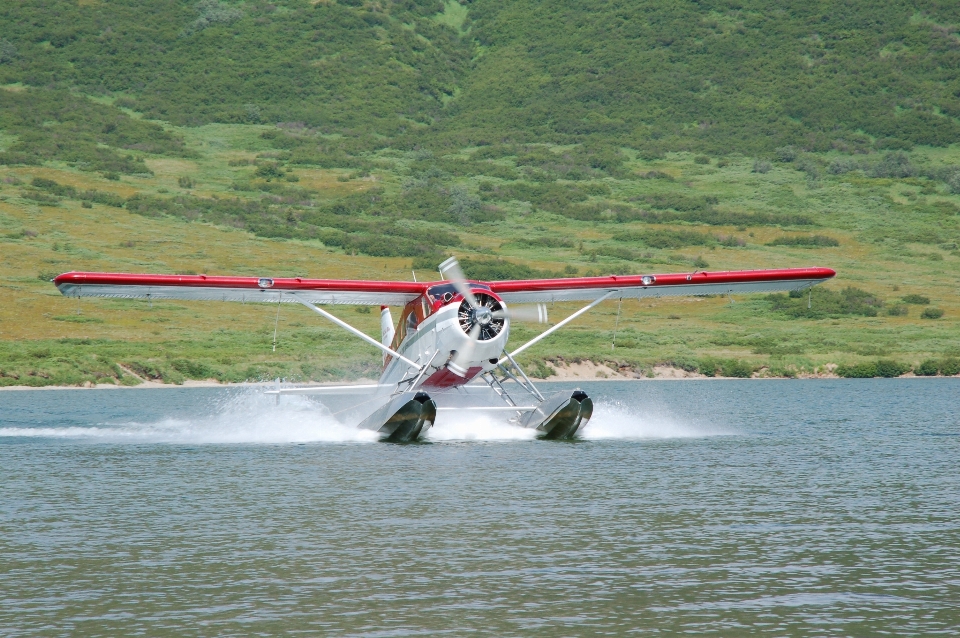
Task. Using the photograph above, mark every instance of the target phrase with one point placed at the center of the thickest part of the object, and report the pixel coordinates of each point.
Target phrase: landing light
(648, 279)
(265, 282)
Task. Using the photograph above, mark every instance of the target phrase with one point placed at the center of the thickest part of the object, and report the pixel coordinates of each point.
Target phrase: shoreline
(210, 383)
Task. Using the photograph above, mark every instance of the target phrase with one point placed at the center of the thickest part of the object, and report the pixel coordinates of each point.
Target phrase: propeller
(450, 269)
(464, 357)
(536, 313)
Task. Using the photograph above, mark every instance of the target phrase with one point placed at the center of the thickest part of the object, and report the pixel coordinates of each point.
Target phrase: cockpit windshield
(445, 292)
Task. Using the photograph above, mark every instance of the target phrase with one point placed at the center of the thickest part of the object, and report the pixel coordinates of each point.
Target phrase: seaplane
(448, 350)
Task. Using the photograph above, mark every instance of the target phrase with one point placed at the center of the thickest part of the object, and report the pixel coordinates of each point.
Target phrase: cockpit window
(445, 292)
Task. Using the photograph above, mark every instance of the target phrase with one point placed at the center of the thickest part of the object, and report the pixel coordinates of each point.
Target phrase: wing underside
(242, 289)
(669, 285)
(398, 293)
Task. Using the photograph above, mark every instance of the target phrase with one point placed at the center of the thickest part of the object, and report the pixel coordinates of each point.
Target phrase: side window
(409, 320)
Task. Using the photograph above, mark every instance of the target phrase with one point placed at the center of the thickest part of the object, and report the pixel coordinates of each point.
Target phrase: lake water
(703, 507)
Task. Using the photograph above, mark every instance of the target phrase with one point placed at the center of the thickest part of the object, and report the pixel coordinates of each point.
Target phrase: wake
(616, 420)
(254, 418)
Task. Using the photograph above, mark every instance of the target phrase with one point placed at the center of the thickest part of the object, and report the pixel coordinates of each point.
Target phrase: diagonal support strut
(346, 326)
(549, 331)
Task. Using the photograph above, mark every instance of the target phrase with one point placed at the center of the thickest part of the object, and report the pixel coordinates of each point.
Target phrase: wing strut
(346, 326)
(546, 333)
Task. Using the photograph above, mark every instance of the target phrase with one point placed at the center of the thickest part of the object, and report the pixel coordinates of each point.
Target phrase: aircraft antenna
(616, 324)
(276, 323)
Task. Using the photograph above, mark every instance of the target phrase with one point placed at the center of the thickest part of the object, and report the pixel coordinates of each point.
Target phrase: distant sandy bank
(562, 371)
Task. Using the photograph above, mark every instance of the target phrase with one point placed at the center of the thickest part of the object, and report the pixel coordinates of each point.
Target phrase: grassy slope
(40, 330)
(401, 93)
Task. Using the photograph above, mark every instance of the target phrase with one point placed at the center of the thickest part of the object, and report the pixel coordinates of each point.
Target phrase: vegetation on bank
(348, 139)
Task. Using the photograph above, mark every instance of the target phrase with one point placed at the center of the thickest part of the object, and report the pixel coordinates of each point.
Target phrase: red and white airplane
(450, 344)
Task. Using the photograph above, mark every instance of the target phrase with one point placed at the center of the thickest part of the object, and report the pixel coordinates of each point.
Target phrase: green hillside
(529, 138)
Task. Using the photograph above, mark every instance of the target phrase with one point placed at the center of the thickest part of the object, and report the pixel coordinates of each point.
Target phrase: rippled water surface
(718, 507)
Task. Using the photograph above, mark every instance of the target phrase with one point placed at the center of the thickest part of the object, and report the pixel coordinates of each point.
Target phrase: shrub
(953, 183)
(808, 241)
(950, 366)
(931, 313)
(213, 12)
(786, 154)
(919, 300)
(665, 238)
(841, 166)
(736, 368)
(540, 370)
(928, 368)
(898, 310)
(762, 166)
(185, 182)
(711, 367)
(193, 369)
(700, 262)
(866, 370)
(658, 175)
(894, 165)
(269, 170)
(889, 369)
(701, 159)
(826, 303)
(8, 52)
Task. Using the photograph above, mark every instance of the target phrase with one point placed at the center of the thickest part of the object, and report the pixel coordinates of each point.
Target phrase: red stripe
(674, 279)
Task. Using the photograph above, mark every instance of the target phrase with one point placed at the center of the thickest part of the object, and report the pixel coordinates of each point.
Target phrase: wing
(244, 289)
(636, 286)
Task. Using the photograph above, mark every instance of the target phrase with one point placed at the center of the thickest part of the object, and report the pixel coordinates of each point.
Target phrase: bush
(700, 262)
(858, 371)
(8, 52)
(826, 303)
(762, 166)
(812, 241)
(919, 300)
(212, 12)
(928, 368)
(736, 368)
(895, 165)
(711, 367)
(540, 370)
(882, 368)
(193, 369)
(898, 310)
(660, 238)
(950, 366)
(785, 154)
(701, 159)
(931, 313)
(889, 369)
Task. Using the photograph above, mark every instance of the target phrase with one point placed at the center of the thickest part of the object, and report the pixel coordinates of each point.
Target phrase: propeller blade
(451, 270)
(465, 356)
(536, 313)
